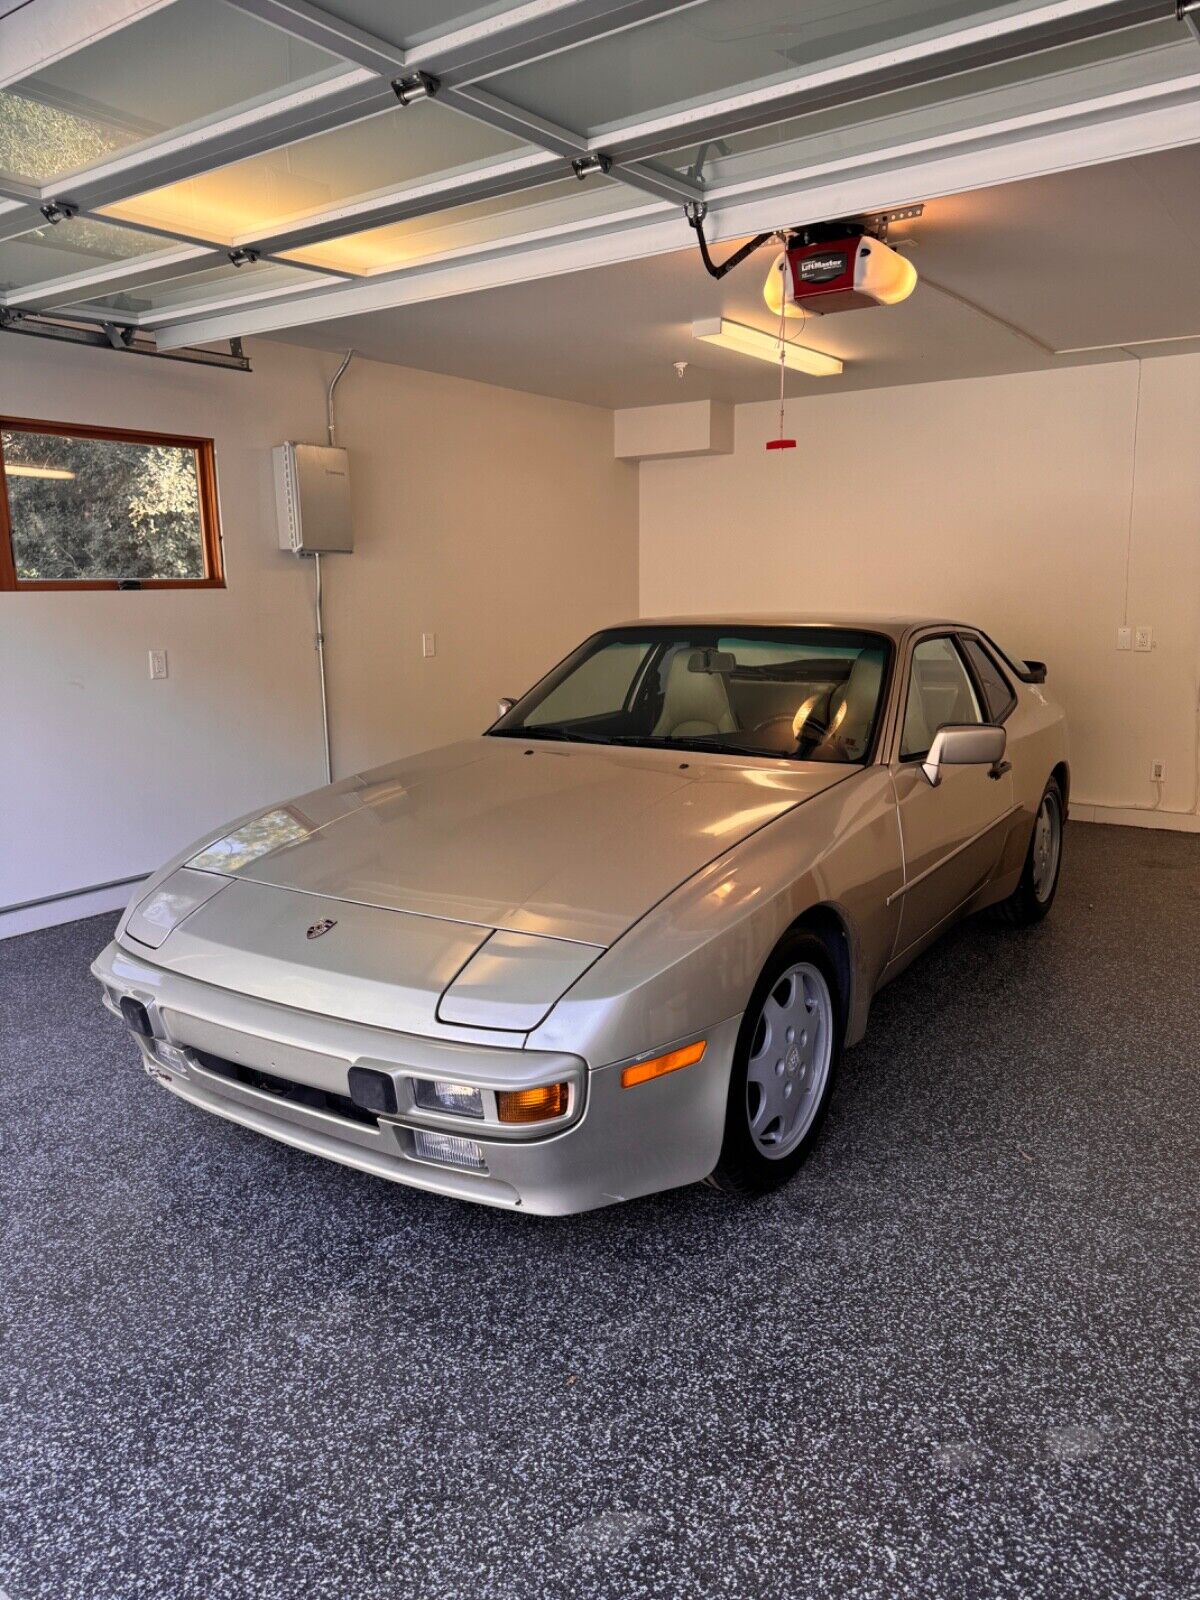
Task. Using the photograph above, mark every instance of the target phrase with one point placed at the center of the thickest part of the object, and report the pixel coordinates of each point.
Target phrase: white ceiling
(1105, 255)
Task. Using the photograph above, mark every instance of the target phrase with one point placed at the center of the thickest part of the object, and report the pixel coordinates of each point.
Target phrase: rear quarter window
(997, 691)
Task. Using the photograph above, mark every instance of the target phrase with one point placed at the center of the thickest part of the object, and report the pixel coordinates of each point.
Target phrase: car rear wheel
(1034, 895)
(787, 1055)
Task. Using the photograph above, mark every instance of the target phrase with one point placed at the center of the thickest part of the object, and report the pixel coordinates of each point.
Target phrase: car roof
(894, 627)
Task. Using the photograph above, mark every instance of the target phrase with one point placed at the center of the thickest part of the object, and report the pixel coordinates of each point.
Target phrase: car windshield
(804, 694)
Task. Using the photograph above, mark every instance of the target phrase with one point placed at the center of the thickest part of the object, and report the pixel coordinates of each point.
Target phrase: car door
(951, 834)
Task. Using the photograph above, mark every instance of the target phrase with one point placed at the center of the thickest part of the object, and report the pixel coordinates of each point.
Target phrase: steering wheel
(782, 724)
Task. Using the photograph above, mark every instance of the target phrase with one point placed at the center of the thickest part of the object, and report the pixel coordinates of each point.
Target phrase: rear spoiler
(1030, 671)
(1027, 671)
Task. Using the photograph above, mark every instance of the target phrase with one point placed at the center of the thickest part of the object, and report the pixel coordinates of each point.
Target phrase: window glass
(939, 692)
(997, 690)
(99, 510)
(804, 693)
(174, 65)
(47, 253)
(543, 209)
(601, 685)
(263, 193)
(1041, 83)
(710, 49)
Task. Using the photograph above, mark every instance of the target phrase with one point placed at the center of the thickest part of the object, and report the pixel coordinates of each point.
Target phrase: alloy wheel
(789, 1060)
(1047, 846)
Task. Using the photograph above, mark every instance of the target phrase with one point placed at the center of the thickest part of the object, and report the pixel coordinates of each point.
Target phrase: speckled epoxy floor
(958, 1357)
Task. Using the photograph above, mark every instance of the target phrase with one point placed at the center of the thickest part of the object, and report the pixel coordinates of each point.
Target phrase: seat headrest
(695, 698)
(852, 707)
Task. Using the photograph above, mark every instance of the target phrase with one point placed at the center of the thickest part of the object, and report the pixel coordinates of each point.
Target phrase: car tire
(1031, 900)
(785, 1064)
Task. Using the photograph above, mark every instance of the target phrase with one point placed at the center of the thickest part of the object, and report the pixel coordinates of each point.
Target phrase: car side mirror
(970, 744)
(503, 707)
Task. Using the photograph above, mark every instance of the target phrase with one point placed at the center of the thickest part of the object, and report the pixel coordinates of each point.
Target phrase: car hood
(569, 841)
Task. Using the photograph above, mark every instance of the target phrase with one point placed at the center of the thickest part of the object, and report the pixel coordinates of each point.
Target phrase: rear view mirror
(503, 707)
(713, 661)
(969, 744)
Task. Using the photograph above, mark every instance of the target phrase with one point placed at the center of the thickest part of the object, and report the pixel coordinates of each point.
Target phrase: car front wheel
(787, 1055)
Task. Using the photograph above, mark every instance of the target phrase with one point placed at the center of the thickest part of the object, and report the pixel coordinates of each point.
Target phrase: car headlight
(274, 830)
(436, 1094)
(165, 907)
(541, 1104)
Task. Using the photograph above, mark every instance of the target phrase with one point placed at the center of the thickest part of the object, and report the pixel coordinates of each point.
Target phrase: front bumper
(612, 1144)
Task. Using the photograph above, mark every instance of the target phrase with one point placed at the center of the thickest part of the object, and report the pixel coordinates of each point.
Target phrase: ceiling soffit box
(813, 118)
(691, 428)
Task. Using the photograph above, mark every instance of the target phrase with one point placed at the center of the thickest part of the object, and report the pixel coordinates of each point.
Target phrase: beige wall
(496, 520)
(501, 523)
(1002, 500)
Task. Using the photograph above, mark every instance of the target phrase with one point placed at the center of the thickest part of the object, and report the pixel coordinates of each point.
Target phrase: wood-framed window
(85, 507)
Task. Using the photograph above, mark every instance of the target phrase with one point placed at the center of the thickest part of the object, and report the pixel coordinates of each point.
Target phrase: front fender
(691, 962)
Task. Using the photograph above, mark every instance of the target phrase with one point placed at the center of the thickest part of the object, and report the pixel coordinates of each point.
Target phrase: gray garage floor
(958, 1357)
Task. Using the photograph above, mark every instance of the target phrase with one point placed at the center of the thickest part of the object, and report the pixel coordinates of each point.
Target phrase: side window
(939, 691)
(997, 690)
(84, 507)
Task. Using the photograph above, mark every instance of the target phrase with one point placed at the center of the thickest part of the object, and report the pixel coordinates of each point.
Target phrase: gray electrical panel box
(312, 499)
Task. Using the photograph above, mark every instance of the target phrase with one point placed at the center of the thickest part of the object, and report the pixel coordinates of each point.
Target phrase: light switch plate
(1143, 639)
(429, 644)
(1124, 638)
(158, 663)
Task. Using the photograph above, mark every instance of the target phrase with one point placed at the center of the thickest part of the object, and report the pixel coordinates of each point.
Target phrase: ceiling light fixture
(765, 347)
(13, 471)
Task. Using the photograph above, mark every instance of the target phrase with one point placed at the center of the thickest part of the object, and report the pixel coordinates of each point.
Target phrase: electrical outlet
(1158, 771)
(1143, 638)
(1124, 638)
(429, 644)
(158, 663)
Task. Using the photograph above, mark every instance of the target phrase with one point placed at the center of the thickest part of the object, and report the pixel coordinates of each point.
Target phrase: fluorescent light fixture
(765, 347)
(36, 472)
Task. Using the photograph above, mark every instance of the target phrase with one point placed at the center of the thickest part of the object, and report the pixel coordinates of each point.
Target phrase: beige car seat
(695, 703)
(917, 736)
(852, 711)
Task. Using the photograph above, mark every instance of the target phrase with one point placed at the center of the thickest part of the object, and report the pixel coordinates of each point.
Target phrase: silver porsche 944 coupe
(618, 942)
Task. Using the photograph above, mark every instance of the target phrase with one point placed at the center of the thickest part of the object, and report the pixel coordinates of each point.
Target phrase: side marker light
(643, 1071)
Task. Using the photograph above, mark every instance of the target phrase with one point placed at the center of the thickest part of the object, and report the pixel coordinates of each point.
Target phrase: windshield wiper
(550, 731)
(651, 741)
(658, 741)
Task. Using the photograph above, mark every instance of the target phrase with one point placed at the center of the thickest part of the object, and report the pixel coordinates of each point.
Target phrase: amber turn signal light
(643, 1071)
(531, 1105)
